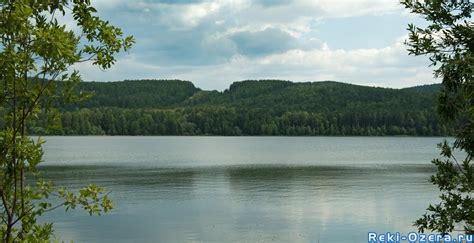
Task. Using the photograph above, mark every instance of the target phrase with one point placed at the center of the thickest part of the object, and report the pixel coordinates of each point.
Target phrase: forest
(253, 107)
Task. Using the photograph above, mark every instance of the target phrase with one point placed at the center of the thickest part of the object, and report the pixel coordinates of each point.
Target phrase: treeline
(268, 107)
(234, 122)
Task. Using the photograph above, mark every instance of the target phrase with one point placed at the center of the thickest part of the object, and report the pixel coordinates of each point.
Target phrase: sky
(216, 42)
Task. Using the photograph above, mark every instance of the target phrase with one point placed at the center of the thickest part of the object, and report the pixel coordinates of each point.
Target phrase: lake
(243, 189)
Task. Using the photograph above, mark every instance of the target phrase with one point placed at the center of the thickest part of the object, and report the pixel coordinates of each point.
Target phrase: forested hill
(274, 95)
(265, 107)
(136, 93)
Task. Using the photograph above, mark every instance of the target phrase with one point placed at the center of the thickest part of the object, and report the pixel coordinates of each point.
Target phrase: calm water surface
(243, 189)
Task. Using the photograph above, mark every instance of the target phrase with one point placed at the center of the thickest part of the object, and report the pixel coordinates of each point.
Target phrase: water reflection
(142, 182)
(244, 189)
(245, 203)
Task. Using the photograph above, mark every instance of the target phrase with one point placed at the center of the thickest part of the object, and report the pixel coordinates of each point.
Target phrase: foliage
(454, 179)
(37, 51)
(133, 94)
(228, 121)
(152, 107)
(448, 40)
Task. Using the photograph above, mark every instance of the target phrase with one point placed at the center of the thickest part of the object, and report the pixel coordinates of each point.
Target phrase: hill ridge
(265, 107)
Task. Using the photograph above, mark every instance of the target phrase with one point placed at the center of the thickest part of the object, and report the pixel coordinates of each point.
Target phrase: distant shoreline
(230, 136)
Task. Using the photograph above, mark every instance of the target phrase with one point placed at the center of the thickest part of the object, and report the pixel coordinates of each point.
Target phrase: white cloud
(294, 17)
(346, 8)
(196, 41)
(388, 67)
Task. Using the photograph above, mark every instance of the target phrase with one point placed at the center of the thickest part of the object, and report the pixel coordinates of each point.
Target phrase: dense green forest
(265, 107)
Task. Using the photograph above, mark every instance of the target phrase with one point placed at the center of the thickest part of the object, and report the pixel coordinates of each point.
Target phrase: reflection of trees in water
(274, 182)
(245, 182)
(133, 180)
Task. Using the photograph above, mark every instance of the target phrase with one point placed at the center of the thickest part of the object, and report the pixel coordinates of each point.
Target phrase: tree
(37, 53)
(448, 40)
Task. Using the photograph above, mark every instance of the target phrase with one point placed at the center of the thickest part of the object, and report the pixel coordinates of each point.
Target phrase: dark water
(243, 189)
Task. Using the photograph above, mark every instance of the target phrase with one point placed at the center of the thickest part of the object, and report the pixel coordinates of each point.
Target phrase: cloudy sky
(216, 42)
